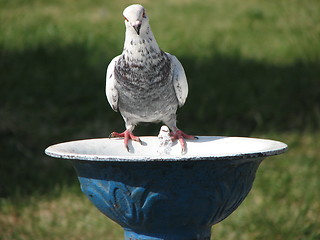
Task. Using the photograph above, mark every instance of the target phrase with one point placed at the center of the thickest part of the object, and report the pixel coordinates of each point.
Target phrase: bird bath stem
(169, 197)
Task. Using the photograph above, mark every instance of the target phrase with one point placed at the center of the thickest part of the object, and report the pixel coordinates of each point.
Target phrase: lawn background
(253, 69)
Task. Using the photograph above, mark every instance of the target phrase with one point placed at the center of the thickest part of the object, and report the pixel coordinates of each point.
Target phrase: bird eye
(144, 14)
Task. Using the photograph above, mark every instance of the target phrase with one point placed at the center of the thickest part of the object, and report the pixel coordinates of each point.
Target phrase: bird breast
(145, 85)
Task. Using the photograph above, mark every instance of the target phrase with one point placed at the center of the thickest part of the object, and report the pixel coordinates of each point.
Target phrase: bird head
(135, 18)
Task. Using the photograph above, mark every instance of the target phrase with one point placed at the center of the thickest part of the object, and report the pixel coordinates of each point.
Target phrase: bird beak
(137, 26)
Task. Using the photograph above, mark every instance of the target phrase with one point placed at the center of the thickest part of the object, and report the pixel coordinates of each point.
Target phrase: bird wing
(179, 80)
(111, 91)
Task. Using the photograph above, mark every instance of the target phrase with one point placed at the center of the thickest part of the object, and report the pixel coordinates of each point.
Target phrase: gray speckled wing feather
(179, 80)
(111, 90)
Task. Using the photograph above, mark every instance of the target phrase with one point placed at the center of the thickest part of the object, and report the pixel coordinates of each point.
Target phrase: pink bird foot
(181, 136)
(127, 135)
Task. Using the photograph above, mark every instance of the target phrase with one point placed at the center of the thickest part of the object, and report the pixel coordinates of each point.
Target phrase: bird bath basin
(172, 197)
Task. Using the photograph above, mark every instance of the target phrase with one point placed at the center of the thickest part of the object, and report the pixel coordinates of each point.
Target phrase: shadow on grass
(230, 95)
(51, 94)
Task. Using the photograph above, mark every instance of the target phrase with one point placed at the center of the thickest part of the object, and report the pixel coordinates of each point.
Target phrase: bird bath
(171, 197)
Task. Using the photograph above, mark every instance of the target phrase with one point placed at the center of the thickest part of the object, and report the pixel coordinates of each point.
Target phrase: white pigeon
(144, 83)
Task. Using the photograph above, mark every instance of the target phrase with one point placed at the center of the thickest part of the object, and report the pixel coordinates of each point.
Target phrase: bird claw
(111, 135)
(127, 147)
(127, 135)
(181, 136)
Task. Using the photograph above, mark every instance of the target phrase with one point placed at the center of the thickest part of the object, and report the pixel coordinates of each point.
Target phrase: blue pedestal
(177, 200)
(167, 197)
(171, 234)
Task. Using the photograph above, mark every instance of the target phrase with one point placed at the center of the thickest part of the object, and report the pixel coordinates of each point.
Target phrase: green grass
(253, 69)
